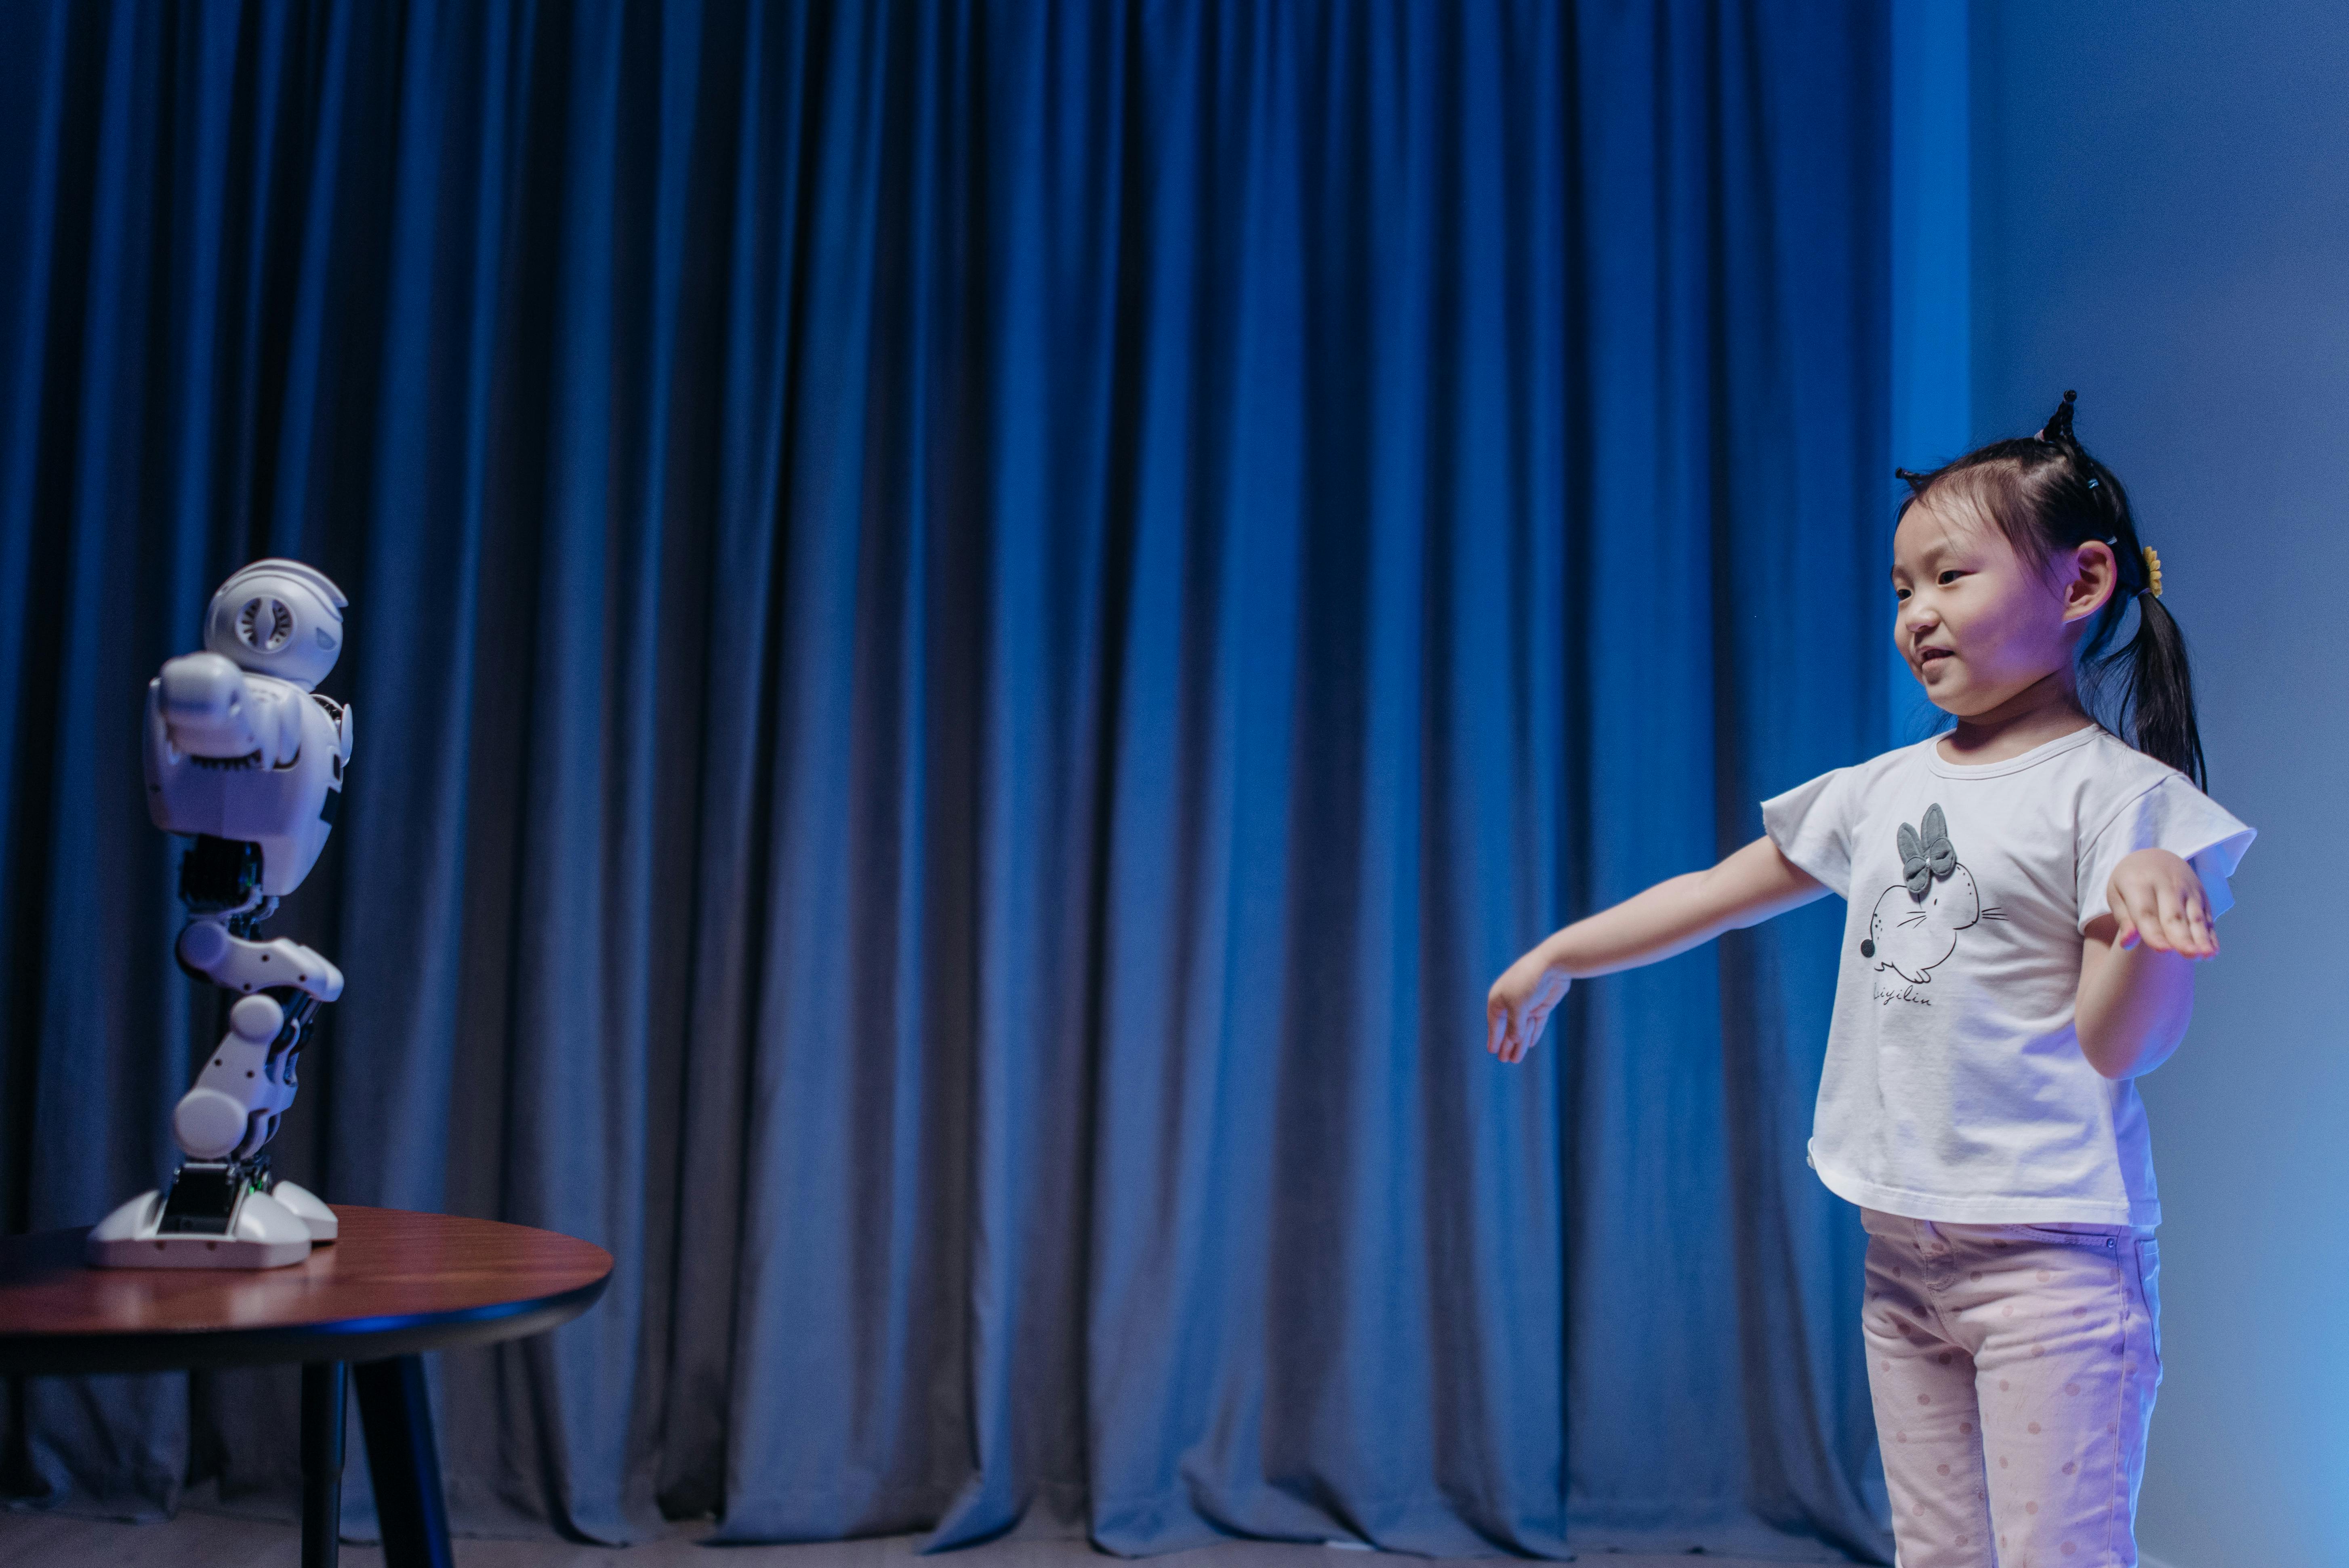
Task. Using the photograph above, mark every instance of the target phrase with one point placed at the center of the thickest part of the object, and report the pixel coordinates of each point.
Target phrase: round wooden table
(396, 1285)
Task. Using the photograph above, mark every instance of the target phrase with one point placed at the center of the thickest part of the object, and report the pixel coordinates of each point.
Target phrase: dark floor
(197, 1539)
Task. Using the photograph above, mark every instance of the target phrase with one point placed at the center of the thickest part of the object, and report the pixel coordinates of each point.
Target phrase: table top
(394, 1284)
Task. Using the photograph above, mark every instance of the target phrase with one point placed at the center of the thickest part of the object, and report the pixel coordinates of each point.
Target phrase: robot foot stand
(217, 1215)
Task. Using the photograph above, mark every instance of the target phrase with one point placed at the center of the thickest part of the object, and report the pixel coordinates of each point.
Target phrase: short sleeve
(2175, 816)
(1811, 825)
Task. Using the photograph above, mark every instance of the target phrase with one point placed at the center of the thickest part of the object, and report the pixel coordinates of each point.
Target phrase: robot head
(278, 618)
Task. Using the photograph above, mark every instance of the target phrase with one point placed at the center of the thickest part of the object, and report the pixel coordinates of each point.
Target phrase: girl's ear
(2094, 573)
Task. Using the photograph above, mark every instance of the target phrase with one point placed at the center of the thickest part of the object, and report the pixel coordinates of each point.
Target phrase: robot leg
(209, 950)
(234, 1107)
(223, 1210)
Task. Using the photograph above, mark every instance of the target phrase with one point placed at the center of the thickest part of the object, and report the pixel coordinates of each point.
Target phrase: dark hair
(2048, 497)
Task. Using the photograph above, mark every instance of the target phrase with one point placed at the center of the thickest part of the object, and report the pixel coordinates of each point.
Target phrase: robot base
(260, 1231)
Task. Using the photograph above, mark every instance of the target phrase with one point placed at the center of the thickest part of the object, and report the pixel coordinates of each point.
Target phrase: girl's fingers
(2198, 916)
(2125, 934)
(2173, 921)
(1513, 1027)
(2164, 916)
(2145, 909)
(2198, 911)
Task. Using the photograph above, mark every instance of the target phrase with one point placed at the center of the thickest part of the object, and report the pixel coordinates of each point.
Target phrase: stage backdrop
(974, 629)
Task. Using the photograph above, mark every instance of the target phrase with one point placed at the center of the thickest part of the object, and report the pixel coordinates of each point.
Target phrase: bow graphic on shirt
(1926, 854)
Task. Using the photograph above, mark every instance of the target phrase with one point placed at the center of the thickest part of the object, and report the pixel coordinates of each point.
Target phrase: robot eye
(264, 624)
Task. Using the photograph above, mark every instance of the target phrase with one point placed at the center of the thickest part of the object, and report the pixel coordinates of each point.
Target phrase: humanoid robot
(243, 753)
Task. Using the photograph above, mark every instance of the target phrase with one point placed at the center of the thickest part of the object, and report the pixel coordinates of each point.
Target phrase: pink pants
(2013, 1369)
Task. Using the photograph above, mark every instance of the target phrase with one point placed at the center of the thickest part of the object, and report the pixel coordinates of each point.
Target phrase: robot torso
(287, 806)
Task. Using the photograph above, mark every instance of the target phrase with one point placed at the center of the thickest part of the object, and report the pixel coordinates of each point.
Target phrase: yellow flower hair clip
(2152, 571)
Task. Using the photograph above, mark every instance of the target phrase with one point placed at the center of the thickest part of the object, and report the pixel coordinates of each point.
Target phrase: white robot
(244, 754)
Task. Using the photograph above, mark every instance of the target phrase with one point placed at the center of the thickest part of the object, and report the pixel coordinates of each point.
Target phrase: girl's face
(1978, 624)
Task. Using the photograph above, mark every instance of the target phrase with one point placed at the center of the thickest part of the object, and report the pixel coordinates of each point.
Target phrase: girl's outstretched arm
(2137, 969)
(1673, 916)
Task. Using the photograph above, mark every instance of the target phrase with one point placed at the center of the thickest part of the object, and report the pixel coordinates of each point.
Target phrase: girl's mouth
(1929, 656)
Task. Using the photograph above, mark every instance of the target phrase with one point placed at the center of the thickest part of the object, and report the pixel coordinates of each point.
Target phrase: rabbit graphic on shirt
(1914, 927)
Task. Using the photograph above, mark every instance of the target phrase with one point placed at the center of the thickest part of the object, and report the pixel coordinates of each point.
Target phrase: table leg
(396, 1413)
(322, 1462)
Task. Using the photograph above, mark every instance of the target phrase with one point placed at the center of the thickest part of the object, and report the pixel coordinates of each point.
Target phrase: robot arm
(210, 711)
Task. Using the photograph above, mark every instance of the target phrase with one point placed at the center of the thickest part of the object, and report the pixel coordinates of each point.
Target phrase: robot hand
(211, 711)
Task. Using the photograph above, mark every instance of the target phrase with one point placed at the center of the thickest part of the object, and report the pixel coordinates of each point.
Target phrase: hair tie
(2152, 573)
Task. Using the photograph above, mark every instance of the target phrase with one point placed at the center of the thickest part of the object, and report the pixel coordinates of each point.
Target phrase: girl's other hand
(2158, 899)
(1519, 1005)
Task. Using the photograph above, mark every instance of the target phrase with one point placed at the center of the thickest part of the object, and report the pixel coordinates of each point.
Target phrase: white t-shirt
(1955, 1088)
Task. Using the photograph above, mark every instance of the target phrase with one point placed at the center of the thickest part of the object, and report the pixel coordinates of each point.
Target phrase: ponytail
(2048, 496)
(2157, 691)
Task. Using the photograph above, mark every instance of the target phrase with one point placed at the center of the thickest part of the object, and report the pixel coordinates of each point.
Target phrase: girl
(2028, 896)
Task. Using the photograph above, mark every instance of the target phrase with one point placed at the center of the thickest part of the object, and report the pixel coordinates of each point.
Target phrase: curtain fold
(975, 626)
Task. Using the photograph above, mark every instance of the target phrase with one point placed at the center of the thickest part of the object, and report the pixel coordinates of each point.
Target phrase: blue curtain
(975, 627)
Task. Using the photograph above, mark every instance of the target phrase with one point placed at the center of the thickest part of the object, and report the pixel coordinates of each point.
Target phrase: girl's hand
(2158, 900)
(1519, 1005)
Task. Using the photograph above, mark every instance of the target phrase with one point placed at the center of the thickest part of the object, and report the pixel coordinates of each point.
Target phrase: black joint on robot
(219, 876)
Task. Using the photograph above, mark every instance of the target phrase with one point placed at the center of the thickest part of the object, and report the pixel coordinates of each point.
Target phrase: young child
(2028, 897)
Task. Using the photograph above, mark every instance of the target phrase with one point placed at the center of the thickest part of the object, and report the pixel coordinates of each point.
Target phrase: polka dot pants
(2014, 1369)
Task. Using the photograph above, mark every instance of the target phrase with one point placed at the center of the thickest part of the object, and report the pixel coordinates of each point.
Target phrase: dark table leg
(396, 1413)
(322, 1462)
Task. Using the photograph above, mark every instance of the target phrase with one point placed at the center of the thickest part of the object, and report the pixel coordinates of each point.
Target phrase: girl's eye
(1950, 577)
(1899, 595)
